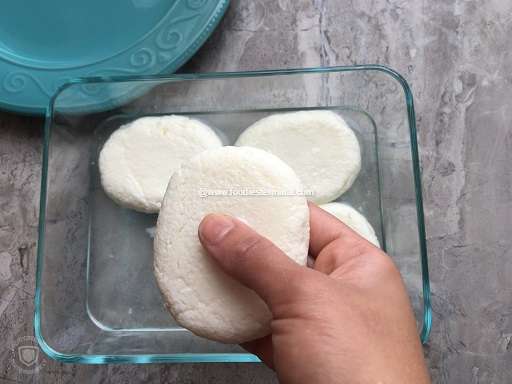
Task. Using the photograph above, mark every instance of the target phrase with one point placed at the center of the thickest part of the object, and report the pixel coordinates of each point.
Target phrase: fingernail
(214, 228)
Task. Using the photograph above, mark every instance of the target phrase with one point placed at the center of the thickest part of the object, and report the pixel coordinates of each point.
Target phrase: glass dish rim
(219, 357)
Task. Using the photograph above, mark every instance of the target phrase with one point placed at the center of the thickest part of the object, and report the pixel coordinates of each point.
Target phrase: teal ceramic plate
(43, 44)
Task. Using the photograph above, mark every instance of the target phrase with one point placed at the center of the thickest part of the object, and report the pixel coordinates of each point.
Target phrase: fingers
(261, 348)
(332, 243)
(249, 257)
(325, 228)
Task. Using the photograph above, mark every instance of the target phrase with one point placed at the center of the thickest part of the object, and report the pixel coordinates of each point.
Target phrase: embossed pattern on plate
(168, 33)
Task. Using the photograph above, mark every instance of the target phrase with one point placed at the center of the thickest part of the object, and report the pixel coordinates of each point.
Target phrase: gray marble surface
(457, 56)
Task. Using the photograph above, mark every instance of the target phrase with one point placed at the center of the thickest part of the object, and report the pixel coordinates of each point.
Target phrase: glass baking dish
(96, 298)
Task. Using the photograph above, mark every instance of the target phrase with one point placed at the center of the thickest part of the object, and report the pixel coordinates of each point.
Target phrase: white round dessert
(319, 145)
(257, 188)
(138, 159)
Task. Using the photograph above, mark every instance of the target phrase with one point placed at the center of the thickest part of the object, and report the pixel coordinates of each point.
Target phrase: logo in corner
(27, 356)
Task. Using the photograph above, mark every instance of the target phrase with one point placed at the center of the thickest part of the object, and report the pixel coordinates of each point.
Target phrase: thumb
(250, 258)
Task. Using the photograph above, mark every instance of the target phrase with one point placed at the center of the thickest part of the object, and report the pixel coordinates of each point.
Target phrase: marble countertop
(456, 55)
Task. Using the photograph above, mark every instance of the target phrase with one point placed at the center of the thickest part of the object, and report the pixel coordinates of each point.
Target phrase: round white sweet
(319, 146)
(138, 159)
(353, 219)
(240, 182)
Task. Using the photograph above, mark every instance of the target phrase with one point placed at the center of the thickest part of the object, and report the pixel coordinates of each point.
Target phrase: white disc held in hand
(251, 185)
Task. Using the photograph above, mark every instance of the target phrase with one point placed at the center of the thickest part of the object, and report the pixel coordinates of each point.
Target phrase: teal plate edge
(161, 51)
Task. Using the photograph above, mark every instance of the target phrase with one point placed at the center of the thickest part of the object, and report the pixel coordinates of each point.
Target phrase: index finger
(325, 229)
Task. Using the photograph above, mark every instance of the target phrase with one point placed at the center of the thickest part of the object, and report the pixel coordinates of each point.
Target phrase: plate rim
(191, 48)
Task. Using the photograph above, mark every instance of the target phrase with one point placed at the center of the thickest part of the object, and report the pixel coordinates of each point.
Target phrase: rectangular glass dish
(96, 296)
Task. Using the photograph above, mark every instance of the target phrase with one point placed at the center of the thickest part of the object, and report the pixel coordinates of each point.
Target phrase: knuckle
(385, 268)
(252, 246)
(389, 268)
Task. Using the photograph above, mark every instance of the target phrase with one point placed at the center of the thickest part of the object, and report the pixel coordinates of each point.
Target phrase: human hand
(346, 320)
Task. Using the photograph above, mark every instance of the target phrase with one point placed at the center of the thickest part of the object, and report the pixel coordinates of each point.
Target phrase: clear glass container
(96, 297)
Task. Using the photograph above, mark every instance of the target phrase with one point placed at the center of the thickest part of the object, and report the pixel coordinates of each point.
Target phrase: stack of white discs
(177, 166)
